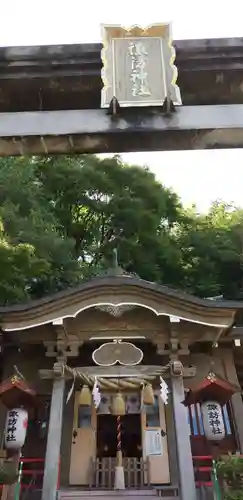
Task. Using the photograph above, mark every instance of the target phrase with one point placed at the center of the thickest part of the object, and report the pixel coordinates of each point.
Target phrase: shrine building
(120, 370)
(120, 386)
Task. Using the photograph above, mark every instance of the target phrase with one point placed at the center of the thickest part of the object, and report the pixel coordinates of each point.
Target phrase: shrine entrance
(131, 443)
(131, 436)
(131, 447)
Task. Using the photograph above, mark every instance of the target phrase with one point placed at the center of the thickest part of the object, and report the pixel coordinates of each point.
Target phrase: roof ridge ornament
(114, 269)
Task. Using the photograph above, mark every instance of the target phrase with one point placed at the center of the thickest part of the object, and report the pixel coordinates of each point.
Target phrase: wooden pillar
(51, 471)
(183, 445)
(237, 410)
(171, 439)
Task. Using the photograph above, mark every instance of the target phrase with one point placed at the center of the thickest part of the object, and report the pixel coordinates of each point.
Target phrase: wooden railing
(31, 472)
(203, 470)
(102, 475)
(103, 472)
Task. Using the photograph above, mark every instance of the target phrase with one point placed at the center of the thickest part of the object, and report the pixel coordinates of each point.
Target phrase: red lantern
(212, 393)
(211, 388)
(15, 428)
(15, 392)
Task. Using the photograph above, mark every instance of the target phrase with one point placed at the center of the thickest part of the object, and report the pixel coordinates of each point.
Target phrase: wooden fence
(103, 473)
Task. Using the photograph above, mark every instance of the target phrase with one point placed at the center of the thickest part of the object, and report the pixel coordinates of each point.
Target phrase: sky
(197, 176)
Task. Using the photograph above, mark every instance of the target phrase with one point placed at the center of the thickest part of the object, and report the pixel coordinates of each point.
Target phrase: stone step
(138, 496)
(112, 494)
(89, 497)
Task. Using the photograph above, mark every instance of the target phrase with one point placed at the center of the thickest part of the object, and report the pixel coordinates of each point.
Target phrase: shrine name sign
(212, 393)
(213, 421)
(15, 428)
(138, 66)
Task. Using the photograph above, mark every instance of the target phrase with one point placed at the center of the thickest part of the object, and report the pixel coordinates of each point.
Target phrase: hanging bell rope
(148, 394)
(118, 442)
(85, 397)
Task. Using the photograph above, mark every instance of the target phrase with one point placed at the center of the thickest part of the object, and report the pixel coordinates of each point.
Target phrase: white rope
(112, 383)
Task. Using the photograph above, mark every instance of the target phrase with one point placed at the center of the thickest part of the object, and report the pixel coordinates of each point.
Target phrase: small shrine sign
(138, 66)
(213, 421)
(11, 426)
(153, 443)
(15, 428)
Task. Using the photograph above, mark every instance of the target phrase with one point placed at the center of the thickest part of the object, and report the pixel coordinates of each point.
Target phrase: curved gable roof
(117, 290)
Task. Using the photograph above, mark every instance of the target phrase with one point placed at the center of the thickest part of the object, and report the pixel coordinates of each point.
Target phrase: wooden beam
(210, 71)
(93, 130)
(97, 121)
(123, 371)
(236, 332)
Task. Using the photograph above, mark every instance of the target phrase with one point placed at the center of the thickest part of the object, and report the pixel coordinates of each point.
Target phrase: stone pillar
(51, 471)
(183, 445)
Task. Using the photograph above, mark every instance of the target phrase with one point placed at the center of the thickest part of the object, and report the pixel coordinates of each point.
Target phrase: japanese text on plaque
(11, 427)
(139, 76)
(214, 418)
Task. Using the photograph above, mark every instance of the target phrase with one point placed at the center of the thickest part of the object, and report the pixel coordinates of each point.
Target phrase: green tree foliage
(105, 203)
(19, 266)
(212, 251)
(61, 217)
(29, 231)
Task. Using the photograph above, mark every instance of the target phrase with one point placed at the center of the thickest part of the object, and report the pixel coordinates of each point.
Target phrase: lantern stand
(17, 397)
(212, 393)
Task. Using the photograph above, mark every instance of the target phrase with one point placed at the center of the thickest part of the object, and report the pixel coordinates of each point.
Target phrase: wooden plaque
(138, 66)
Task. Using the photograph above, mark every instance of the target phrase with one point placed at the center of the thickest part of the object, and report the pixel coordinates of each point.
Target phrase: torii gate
(50, 97)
